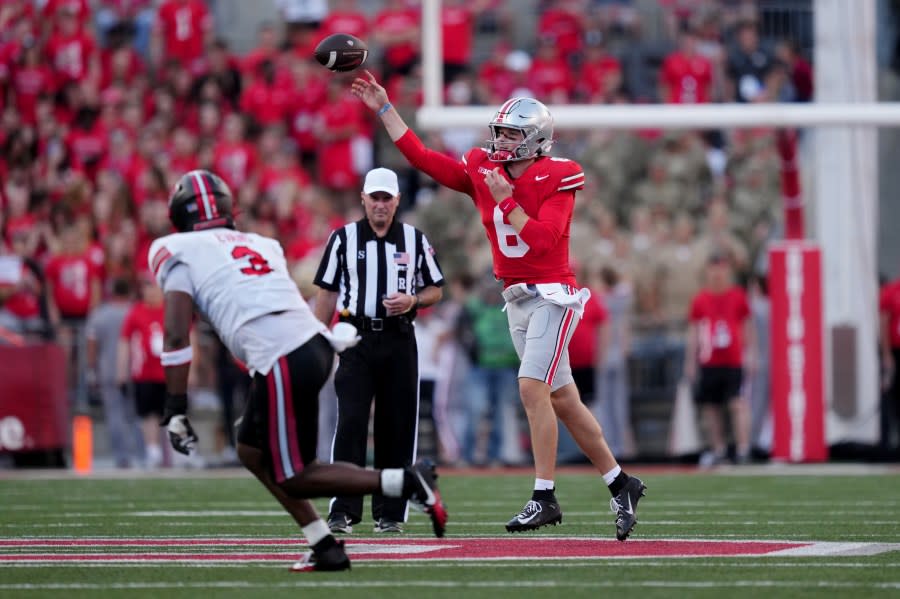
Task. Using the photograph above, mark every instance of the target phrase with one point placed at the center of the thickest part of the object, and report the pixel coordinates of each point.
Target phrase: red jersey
(583, 345)
(549, 76)
(563, 27)
(72, 278)
(235, 162)
(545, 191)
(889, 305)
(70, 56)
(721, 318)
(143, 330)
(456, 36)
(28, 83)
(352, 22)
(689, 78)
(595, 74)
(393, 24)
(184, 25)
(266, 103)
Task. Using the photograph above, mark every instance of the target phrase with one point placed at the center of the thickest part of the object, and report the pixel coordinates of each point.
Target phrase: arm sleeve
(428, 268)
(178, 279)
(443, 169)
(544, 232)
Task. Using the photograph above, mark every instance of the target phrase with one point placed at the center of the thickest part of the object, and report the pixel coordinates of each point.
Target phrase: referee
(376, 272)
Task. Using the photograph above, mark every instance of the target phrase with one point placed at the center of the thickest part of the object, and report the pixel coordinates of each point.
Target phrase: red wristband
(507, 206)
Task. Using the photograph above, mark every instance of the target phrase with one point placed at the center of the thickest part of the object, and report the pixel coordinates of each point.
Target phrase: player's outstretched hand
(367, 89)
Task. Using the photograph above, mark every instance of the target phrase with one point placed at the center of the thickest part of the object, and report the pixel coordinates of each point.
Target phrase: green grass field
(218, 533)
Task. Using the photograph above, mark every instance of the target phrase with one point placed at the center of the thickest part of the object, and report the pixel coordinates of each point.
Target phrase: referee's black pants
(384, 366)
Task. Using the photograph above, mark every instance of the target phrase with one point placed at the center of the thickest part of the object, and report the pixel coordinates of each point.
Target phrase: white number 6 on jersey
(505, 234)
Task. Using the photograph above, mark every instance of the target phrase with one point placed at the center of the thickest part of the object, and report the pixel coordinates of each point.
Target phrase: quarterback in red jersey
(525, 199)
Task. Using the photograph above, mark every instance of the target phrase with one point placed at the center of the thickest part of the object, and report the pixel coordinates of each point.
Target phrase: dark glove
(181, 433)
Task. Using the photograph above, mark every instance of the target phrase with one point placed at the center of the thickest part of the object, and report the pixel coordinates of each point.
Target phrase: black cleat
(535, 514)
(425, 495)
(332, 559)
(624, 505)
(340, 523)
(387, 525)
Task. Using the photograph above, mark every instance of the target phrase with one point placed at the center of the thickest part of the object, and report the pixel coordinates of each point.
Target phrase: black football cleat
(332, 559)
(624, 506)
(425, 495)
(535, 514)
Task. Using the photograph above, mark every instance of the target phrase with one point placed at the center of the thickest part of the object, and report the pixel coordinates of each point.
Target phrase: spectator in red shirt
(686, 76)
(346, 18)
(397, 29)
(308, 94)
(563, 25)
(339, 122)
(87, 142)
(265, 99)
(889, 308)
(600, 75)
(457, 23)
(799, 72)
(71, 51)
(74, 282)
(140, 346)
(234, 157)
(184, 28)
(586, 346)
(266, 49)
(550, 77)
(721, 340)
(31, 77)
(79, 9)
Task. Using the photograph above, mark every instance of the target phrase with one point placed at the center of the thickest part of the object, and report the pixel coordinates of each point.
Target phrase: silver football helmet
(531, 118)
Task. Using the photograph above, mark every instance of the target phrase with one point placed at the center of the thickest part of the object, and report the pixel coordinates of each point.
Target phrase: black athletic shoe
(425, 495)
(624, 505)
(332, 559)
(535, 514)
(340, 523)
(386, 525)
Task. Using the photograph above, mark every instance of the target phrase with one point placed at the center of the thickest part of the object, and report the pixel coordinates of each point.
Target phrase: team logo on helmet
(200, 200)
(531, 118)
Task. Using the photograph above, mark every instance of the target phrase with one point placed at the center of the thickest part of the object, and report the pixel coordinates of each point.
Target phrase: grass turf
(728, 506)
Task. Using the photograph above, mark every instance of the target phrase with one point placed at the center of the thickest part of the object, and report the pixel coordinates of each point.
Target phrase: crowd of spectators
(104, 104)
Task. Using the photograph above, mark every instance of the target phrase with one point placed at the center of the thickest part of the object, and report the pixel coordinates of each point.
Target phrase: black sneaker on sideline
(624, 505)
(332, 559)
(340, 523)
(425, 495)
(535, 514)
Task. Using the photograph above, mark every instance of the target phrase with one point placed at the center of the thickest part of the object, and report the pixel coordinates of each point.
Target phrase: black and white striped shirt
(364, 268)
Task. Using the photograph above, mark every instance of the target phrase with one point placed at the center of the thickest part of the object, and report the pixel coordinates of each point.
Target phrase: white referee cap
(381, 179)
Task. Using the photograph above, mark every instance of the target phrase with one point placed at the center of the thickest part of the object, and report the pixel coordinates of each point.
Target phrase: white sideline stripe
(405, 584)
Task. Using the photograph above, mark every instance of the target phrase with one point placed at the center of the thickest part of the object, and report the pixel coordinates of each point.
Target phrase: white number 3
(508, 240)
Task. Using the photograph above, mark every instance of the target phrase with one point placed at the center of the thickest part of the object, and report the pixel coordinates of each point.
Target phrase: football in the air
(341, 52)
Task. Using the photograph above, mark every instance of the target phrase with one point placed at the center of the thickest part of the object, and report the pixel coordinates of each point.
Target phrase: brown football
(341, 52)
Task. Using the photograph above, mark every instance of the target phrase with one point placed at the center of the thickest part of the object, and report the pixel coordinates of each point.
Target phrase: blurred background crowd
(105, 103)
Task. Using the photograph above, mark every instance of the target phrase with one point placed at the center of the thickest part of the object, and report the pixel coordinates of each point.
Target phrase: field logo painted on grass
(206, 550)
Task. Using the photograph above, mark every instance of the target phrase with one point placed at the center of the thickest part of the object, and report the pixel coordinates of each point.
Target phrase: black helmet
(200, 200)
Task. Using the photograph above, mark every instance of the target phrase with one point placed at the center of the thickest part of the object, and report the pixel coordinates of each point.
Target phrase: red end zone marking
(409, 549)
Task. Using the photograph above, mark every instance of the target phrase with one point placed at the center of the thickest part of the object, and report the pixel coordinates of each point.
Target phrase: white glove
(342, 336)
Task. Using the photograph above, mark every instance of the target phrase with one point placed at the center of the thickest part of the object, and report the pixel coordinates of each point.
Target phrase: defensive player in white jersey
(240, 283)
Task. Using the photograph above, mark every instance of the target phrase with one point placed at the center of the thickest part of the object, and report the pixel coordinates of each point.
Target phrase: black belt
(392, 323)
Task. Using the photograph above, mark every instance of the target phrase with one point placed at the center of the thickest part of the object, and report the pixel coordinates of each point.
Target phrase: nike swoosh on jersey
(540, 178)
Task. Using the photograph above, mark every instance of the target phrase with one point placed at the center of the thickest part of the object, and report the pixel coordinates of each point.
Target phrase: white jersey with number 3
(235, 279)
